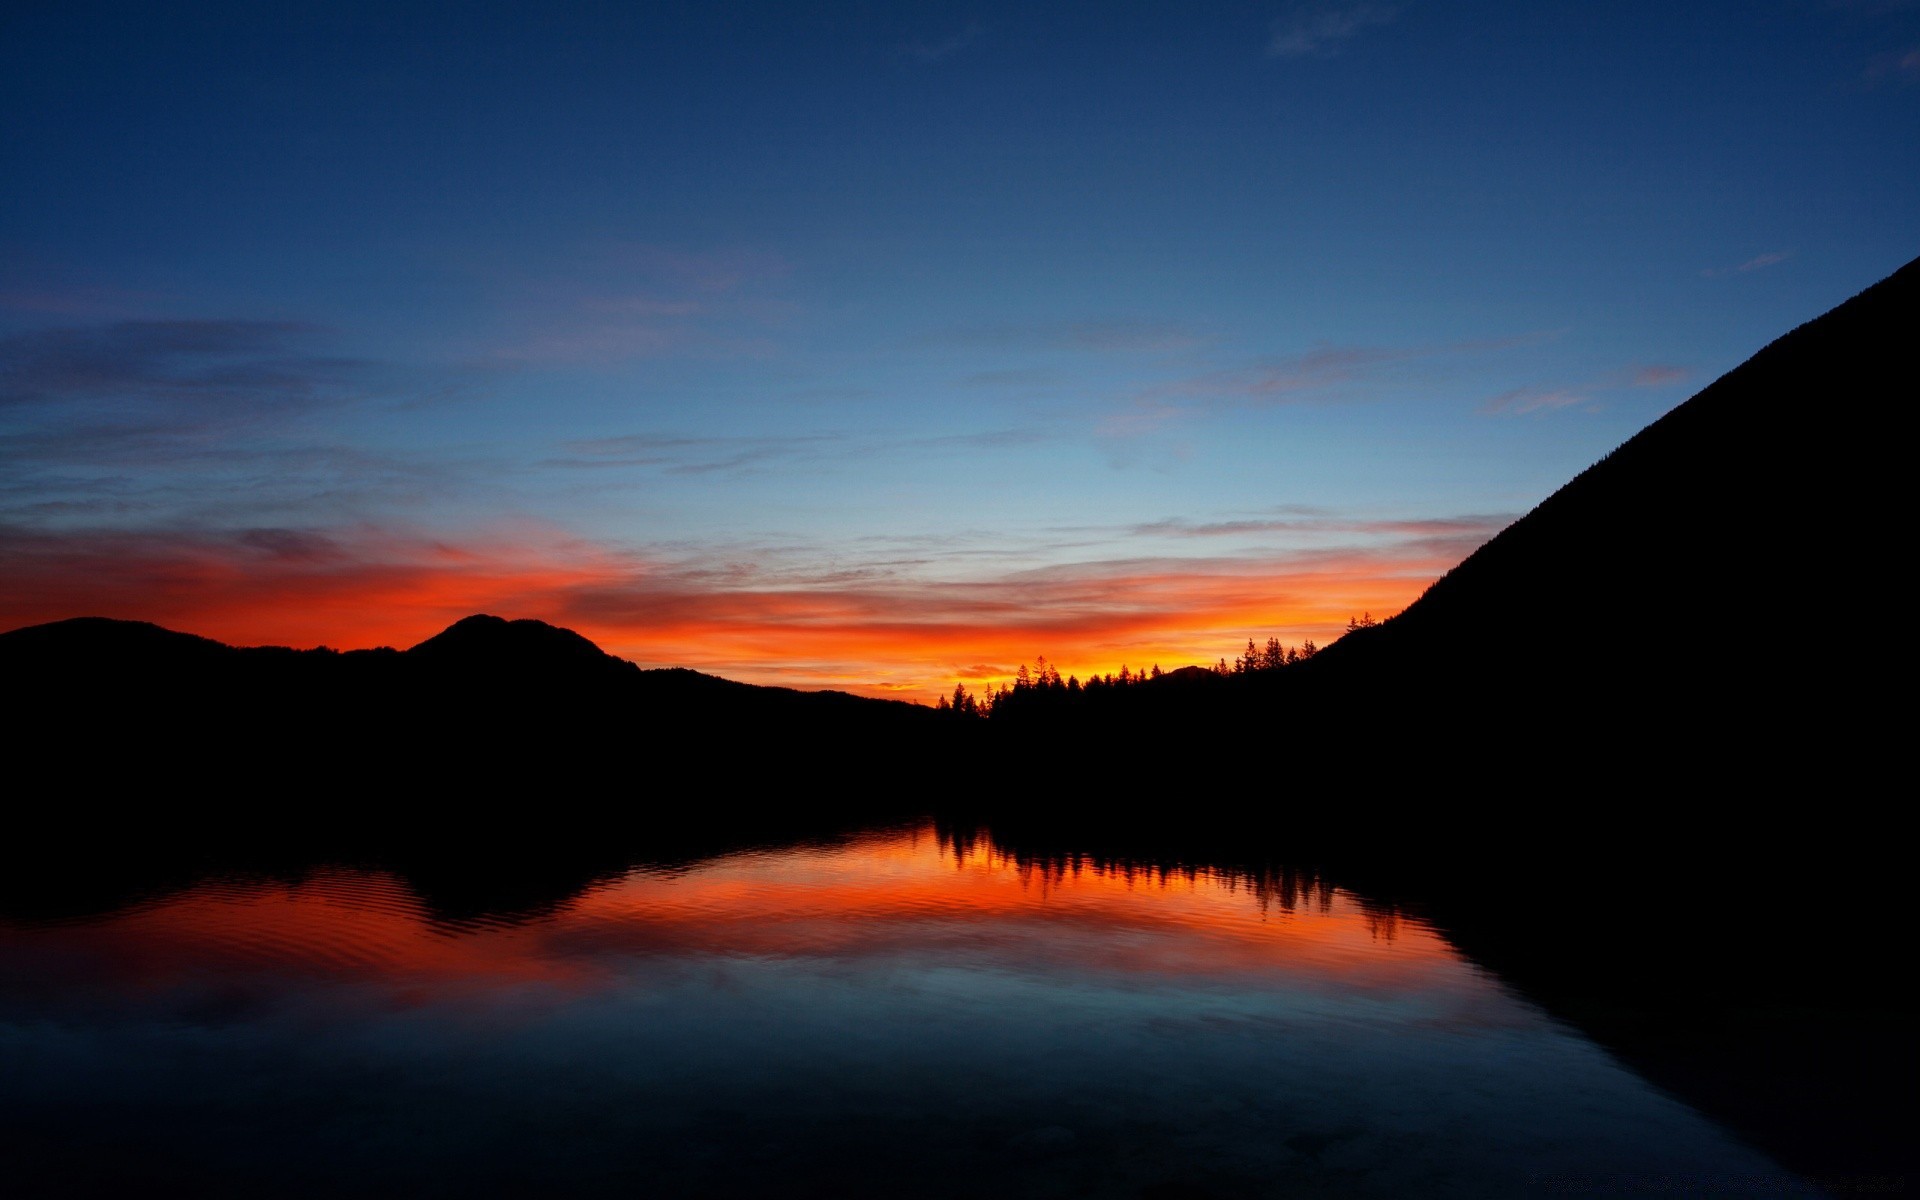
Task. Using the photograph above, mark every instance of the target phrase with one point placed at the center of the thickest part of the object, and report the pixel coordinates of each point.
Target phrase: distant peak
(484, 636)
(479, 622)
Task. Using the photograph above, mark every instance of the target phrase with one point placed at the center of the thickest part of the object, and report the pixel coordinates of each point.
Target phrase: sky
(884, 346)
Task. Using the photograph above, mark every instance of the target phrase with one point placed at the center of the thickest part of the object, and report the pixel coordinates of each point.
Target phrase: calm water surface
(896, 1015)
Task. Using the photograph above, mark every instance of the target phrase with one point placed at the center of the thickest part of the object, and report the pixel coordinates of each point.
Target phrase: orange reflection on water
(905, 895)
(915, 893)
(333, 924)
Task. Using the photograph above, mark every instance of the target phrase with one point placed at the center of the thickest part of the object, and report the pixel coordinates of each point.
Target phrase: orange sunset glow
(876, 633)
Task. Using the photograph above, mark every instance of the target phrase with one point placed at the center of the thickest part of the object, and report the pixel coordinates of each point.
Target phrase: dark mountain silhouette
(494, 643)
(1609, 753)
(488, 704)
(98, 640)
(1637, 779)
(1669, 602)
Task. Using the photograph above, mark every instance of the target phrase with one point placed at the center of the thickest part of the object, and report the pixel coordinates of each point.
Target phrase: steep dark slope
(1708, 589)
(1642, 745)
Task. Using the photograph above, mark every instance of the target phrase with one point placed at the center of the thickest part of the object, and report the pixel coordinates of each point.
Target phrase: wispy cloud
(196, 472)
(292, 545)
(989, 439)
(1323, 374)
(203, 363)
(614, 302)
(676, 271)
(1901, 67)
(153, 416)
(91, 303)
(935, 49)
(692, 455)
(1281, 380)
(1758, 262)
(675, 454)
(1013, 377)
(1103, 336)
(1315, 375)
(1319, 30)
(1481, 526)
(1653, 375)
(1527, 399)
(879, 620)
(1589, 394)
(1873, 8)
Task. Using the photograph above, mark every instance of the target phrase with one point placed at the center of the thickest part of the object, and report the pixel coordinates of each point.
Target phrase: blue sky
(878, 345)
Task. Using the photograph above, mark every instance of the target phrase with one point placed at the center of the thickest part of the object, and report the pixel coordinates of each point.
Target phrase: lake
(902, 1012)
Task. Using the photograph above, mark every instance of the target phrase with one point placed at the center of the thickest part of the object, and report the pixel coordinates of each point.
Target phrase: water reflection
(915, 1012)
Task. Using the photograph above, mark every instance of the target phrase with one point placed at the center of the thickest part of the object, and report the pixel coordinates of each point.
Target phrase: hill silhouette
(494, 643)
(487, 703)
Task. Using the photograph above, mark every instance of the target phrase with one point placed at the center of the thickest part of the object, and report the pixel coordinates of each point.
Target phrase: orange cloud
(871, 631)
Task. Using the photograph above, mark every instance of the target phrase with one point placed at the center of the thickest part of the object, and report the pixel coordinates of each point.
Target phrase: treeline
(1040, 688)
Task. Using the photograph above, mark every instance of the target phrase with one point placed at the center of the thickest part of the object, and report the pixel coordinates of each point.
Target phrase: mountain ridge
(1655, 605)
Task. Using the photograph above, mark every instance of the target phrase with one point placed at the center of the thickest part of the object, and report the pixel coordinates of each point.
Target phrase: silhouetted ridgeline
(1700, 601)
(490, 706)
(1687, 616)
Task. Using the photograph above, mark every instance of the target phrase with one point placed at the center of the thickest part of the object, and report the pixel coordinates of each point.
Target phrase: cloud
(1312, 376)
(1014, 377)
(680, 455)
(679, 271)
(1482, 526)
(885, 623)
(350, 586)
(1901, 66)
(1324, 369)
(189, 419)
(991, 439)
(1319, 30)
(1757, 263)
(601, 342)
(1324, 374)
(1659, 375)
(68, 301)
(202, 364)
(1873, 8)
(1543, 399)
(185, 472)
(692, 455)
(1106, 336)
(1285, 379)
(642, 306)
(291, 545)
(613, 302)
(936, 50)
(1527, 399)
